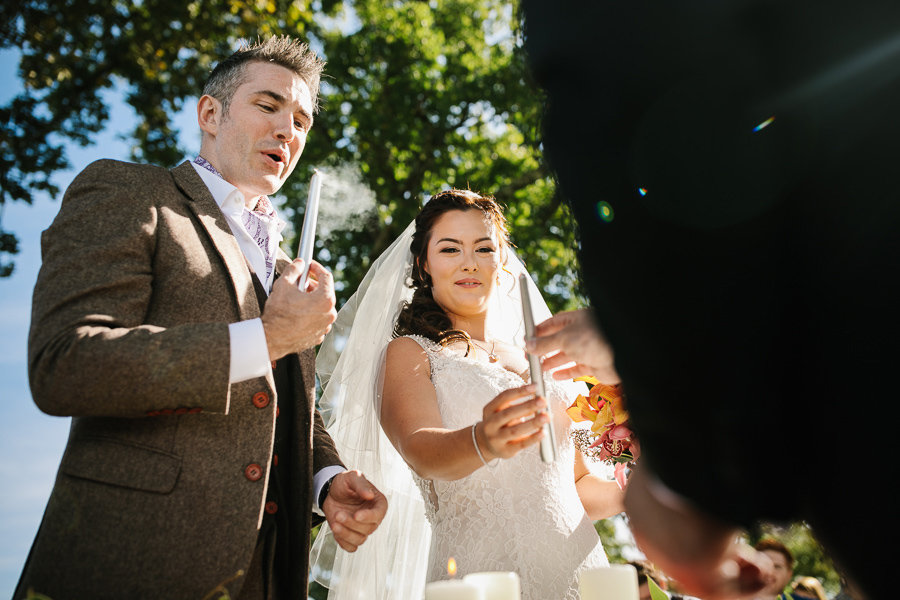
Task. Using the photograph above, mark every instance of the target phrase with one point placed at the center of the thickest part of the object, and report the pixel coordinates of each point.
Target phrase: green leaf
(656, 592)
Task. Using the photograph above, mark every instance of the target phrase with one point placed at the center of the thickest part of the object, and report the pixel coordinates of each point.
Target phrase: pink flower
(620, 432)
(620, 475)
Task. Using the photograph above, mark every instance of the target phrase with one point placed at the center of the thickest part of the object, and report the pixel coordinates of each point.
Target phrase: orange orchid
(584, 409)
(611, 405)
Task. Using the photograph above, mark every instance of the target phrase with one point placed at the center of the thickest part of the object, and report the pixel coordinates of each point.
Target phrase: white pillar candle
(615, 582)
(497, 585)
(452, 590)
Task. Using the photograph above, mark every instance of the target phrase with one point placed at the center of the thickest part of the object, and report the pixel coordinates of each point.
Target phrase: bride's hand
(510, 424)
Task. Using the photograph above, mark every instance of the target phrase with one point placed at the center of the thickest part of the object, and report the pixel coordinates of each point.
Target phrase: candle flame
(451, 567)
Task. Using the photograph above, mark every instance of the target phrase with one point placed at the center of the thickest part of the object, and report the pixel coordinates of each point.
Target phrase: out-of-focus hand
(573, 337)
(295, 320)
(510, 424)
(354, 508)
(696, 549)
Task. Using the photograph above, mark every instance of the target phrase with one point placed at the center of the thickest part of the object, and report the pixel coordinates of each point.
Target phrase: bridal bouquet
(614, 441)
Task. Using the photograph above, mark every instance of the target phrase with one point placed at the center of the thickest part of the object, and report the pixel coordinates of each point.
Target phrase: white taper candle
(308, 233)
(548, 442)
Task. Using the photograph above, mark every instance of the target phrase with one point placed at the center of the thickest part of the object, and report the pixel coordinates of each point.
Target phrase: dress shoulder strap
(433, 351)
(430, 346)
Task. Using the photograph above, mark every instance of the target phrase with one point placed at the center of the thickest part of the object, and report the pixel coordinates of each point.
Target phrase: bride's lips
(468, 283)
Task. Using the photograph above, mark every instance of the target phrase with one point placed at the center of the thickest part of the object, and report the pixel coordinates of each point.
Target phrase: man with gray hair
(169, 325)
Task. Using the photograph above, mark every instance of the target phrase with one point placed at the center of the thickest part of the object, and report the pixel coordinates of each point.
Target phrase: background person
(782, 569)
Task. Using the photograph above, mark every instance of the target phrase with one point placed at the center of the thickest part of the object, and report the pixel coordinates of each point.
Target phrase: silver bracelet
(478, 450)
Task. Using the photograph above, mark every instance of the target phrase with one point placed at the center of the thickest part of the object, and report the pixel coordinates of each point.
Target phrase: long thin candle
(308, 233)
(548, 442)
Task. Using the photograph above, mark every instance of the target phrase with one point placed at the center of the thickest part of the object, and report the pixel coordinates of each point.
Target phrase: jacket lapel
(213, 221)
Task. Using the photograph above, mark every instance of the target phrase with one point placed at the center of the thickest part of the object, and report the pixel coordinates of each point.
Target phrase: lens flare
(642, 191)
(764, 124)
(604, 211)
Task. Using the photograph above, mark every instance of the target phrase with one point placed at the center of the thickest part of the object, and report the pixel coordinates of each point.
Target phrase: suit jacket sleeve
(94, 348)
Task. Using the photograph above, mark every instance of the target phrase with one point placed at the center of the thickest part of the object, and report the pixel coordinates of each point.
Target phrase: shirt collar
(229, 198)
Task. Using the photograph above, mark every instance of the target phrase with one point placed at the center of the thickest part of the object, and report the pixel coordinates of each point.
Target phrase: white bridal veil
(393, 561)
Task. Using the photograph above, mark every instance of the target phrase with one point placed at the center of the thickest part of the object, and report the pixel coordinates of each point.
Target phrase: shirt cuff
(249, 351)
(322, 477)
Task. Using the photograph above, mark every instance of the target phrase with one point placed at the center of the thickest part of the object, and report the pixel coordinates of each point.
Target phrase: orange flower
(611, 407)
(583, 409)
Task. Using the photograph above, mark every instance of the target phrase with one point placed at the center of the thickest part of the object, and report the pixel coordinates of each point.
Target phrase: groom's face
(256, 144)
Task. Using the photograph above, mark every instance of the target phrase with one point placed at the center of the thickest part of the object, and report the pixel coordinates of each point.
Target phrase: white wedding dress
(520, 514)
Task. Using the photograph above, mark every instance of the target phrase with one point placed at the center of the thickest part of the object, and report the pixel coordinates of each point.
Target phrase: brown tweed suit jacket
(156, 495)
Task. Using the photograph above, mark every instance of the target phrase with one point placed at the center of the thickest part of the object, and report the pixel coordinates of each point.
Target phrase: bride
(434, 356)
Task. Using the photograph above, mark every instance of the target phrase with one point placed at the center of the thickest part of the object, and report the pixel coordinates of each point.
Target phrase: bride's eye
(486, 250)
(449, 249)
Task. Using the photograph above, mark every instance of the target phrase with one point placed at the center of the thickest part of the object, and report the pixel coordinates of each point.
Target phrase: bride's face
(463, 259)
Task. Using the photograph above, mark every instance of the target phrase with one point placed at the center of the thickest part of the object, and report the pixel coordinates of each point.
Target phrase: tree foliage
(618, 550)
(420, 96)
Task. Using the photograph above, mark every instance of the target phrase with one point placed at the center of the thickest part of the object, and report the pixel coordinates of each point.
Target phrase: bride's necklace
(491, 356)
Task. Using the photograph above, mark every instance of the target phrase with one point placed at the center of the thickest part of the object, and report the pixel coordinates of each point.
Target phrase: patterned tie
(261, 223)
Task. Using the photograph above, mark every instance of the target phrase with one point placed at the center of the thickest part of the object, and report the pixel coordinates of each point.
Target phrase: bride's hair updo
(422, 315)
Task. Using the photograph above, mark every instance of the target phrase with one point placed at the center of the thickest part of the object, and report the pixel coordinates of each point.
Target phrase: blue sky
(31, 442)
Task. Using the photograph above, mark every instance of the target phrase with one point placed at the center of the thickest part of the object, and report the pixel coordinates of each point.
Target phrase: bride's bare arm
(601, 498)
(412, 421)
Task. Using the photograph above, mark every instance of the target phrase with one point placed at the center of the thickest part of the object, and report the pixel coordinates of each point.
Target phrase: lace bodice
(520, 515)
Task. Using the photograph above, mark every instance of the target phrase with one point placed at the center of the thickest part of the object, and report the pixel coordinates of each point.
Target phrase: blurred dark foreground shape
(733, 166)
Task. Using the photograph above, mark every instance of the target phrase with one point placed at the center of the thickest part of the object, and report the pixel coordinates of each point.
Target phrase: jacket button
(260, 399)
(271, 508)
(275, 460)
(253, 472)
